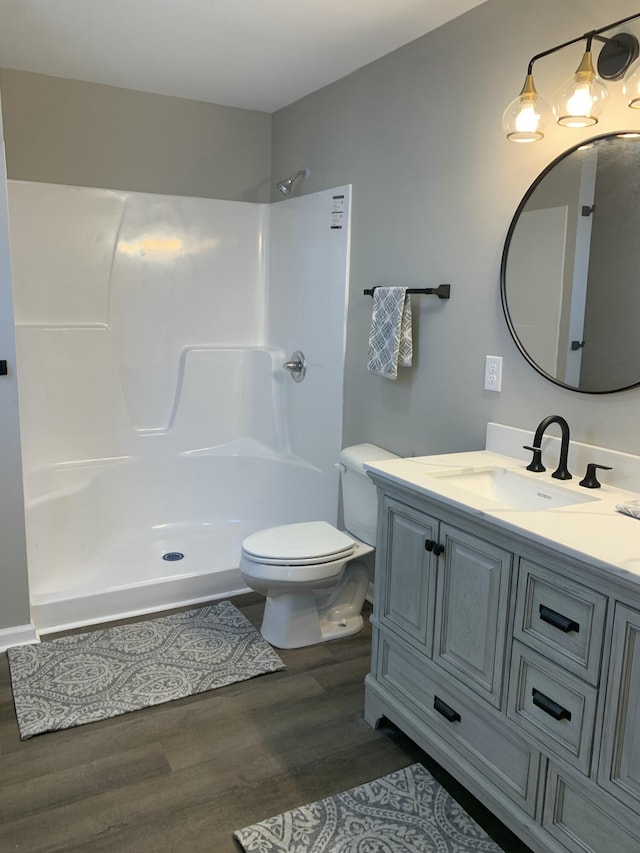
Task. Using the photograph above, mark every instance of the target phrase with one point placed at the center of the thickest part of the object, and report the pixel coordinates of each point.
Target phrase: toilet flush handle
(340, 466)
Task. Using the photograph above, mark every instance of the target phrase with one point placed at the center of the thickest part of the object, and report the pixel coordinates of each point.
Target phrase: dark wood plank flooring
(182, 776)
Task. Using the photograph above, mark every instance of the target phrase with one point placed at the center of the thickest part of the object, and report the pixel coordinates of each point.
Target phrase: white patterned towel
(631, 508)
(390, 342)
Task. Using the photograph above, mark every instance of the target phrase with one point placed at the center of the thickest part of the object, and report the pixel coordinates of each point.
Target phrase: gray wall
(69, 132)
(435, 182)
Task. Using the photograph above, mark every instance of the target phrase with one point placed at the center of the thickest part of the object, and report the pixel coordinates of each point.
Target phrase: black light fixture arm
(551, 50)
(588, 37)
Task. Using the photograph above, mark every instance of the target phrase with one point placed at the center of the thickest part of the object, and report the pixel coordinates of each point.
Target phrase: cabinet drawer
(481, 737)
(562, 619)
(583, 822)
(553, 705)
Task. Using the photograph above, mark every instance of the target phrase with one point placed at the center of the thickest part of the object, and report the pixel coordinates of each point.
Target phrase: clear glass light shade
(631, 86)
(525, 118)
(579, 102)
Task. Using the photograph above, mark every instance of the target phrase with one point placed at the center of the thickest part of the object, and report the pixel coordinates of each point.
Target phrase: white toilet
(314, 576)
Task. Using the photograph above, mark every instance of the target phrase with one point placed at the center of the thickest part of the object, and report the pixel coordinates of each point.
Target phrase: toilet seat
(304, 544)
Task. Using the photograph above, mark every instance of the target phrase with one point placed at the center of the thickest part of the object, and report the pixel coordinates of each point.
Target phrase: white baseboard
(18, 635)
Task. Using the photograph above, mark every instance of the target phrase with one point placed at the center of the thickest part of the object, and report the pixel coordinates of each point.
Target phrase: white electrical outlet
(493, 373)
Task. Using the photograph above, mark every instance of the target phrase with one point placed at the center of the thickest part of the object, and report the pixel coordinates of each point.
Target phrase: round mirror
(570, 274)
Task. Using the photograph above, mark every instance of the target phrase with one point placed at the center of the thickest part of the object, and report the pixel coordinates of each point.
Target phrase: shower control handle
(297, 366)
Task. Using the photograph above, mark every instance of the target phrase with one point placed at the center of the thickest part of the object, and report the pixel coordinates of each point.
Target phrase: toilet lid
(306, 543)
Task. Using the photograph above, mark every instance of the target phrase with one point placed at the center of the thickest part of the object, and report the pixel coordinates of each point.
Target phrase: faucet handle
(536, 463)
(590, 480)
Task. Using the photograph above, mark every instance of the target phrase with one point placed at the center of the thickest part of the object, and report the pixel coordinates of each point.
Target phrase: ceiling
(244, 53)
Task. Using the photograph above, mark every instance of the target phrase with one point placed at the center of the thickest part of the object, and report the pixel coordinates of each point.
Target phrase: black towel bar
(442, 291)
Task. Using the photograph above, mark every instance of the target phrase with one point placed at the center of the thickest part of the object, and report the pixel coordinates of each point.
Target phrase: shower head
(286, 186)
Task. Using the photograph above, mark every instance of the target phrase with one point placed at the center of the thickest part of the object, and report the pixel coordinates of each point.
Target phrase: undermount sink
(513, 489)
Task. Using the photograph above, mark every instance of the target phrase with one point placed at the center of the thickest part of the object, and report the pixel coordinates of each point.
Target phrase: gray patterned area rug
(99, 674)
(404, 812)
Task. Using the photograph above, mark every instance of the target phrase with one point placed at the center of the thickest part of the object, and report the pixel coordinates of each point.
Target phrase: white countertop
(593, 531)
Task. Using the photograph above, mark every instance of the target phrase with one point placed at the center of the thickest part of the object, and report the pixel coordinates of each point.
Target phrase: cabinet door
(471, 611)
(405, 573)
(583, 819)
(620, 760)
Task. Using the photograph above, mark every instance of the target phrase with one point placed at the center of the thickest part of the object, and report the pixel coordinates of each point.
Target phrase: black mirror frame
(505, 253)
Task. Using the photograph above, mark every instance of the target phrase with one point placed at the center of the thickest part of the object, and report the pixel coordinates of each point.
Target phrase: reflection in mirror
(570, 277)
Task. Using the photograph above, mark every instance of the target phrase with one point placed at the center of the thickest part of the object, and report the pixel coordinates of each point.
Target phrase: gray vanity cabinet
(515, 666)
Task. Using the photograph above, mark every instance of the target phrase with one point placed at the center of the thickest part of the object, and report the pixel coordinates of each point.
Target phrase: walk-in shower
(159, 426)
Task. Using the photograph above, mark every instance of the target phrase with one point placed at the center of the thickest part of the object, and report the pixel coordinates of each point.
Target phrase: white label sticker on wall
(337, 212)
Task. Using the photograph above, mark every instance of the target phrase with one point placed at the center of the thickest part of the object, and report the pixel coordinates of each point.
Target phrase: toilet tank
(359, 494)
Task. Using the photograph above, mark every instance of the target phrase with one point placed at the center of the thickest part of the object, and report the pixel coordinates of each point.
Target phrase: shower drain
(172, 556)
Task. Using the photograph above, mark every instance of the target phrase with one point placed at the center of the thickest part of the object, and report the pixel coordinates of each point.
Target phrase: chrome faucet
(562, 472)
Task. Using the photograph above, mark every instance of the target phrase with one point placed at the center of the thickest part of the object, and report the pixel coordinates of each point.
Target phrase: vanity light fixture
(580, 100)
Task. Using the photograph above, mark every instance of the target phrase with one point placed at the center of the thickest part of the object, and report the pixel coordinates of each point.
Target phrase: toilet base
(291, 621)
(341, 628)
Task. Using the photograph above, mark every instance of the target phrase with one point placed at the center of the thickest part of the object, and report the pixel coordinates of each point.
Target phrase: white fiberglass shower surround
(159, 427)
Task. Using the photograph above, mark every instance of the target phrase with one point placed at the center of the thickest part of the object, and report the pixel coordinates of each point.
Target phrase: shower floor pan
(131, 577)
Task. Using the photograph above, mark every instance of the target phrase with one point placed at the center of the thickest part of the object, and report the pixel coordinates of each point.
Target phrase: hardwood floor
(182, 776)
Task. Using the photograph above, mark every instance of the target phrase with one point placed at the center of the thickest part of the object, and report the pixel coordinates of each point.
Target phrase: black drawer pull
(447, 712)
(563, 623)
(438, 549)
(549, 706)
(428, 544)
